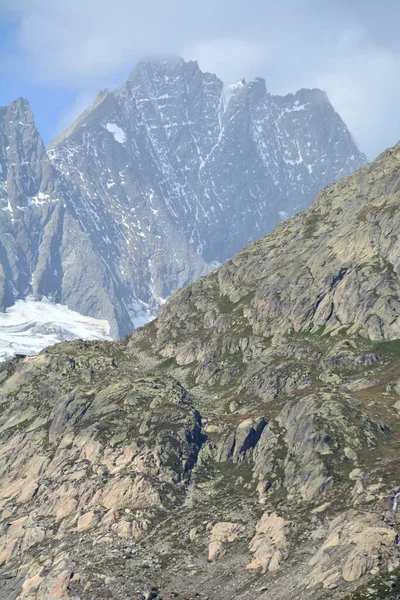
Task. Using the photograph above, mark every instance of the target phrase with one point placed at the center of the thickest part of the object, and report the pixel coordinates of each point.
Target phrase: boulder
(270, 542)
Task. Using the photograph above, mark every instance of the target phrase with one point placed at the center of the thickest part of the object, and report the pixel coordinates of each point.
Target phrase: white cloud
(230, 58)
(82, 102)
(365, 89)
(350, 49)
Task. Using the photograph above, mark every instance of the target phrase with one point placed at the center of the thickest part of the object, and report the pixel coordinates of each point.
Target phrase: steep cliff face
(232, 448)
(56, 242)
(154, 185)
(43, 248)
(224, 164)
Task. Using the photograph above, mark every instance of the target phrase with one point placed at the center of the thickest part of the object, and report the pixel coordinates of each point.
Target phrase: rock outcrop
(221, 535)
(355, 544)
(269, 542)
(343, 275)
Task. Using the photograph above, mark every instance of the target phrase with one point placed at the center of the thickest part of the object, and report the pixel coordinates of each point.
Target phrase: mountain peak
(160, 181)
(314, 95)
(19, 104)
(165, 64)
(18, 109)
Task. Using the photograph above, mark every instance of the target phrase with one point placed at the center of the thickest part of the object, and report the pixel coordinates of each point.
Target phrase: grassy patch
(310, 335)
(385, 586)
(168, 363)
(225, 305)
(389, 349)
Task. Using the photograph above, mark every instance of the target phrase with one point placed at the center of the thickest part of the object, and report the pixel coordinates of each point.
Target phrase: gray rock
(154, 184)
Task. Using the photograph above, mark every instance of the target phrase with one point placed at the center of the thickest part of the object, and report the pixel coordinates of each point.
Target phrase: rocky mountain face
(44, 251)
(155, 184)
(48, 249)
(244, 444)
(220, 161)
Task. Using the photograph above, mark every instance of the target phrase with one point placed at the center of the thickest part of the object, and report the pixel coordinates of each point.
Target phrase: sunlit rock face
(244, 444)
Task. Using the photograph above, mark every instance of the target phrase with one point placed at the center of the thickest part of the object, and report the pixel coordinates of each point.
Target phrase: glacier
(31, 325)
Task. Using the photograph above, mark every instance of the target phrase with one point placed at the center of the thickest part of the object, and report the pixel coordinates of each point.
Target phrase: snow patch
(140, 313)
(395, 502)
(31, 325)
(40, 199)
(228, 91)
(215, 264)
(296, 107)
(9, 209)
(118, 133)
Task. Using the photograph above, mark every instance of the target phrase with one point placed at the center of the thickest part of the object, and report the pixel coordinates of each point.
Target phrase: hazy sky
(60, 53)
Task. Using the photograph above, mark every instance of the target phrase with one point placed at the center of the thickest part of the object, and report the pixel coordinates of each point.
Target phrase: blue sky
(60, 54)
(48, 102)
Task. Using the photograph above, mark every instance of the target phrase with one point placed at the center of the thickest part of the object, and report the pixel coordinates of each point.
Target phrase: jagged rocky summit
(154, 185)
(244, 444)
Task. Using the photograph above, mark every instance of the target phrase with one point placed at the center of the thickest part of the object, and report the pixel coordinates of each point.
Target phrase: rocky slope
(244, 444)
(154, 185)
(334, 267)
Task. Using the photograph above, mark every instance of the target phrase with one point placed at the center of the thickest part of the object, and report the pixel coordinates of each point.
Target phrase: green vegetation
(385, 586)
(387, 349)
(167, 364)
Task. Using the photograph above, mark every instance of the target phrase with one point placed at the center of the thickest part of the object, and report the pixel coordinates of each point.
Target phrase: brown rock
(222, 534)
(87, 521)
(269, 541)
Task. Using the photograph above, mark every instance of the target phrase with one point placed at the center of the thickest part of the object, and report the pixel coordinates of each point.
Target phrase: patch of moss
(385, 586)
(225, 305)
(310, 335)
(388, 349)
(168, 363)
(311, 225)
